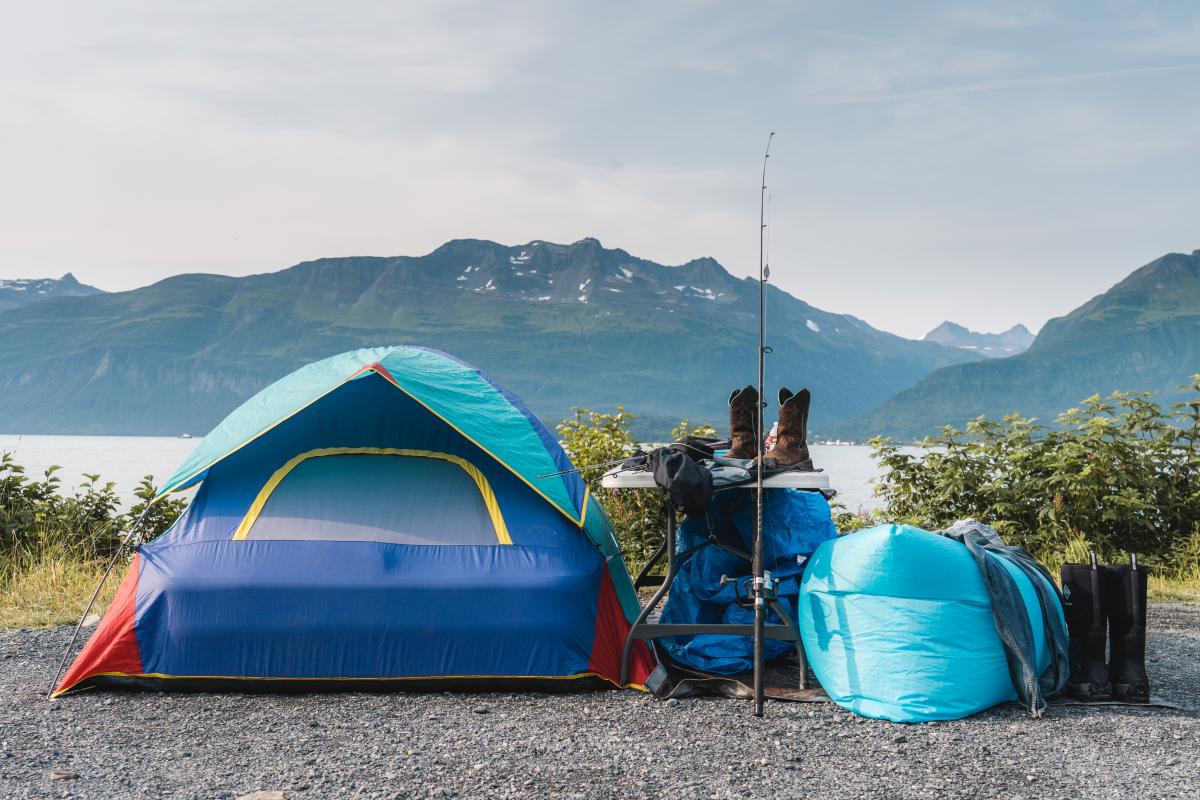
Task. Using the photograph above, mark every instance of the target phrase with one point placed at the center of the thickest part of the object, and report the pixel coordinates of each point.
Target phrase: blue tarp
(794, 523)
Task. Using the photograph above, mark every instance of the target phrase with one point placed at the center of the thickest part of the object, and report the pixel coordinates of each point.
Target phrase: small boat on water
(185, 436)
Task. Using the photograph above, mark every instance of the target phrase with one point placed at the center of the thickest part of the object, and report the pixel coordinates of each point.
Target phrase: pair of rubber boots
(1096, 596)
(791, 445)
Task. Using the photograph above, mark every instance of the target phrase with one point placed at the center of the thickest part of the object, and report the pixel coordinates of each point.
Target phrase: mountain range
(565, 326)
(1142, 334)
(1016, 339)
(560, 325)
(17, 292)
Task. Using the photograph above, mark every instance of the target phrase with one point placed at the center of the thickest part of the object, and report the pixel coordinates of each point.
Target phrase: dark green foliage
(1143, 333)
(36, 520)
(1115, 475)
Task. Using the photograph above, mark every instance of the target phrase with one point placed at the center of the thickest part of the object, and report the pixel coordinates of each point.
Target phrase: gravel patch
(593, 745)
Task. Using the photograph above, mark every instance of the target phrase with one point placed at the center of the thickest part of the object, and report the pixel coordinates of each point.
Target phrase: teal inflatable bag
(898, 625)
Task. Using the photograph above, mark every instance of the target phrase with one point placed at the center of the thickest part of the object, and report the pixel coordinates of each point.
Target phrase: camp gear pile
(391, 517)
(375, 518)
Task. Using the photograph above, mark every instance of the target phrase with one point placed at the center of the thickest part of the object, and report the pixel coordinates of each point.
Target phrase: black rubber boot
(1083, 587)
(1127, 632)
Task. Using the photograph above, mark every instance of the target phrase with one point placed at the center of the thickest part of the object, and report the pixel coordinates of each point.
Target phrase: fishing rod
(760, 593)
(585, 467)
(681, 445)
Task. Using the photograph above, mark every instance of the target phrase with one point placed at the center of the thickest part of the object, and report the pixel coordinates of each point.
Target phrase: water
(125, 459)
(851, 471)
(121, 459)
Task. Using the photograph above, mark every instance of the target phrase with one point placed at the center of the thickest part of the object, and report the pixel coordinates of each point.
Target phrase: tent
(378, 519)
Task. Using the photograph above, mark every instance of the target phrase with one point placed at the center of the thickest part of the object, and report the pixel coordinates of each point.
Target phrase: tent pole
(103, 578)
(760, 595)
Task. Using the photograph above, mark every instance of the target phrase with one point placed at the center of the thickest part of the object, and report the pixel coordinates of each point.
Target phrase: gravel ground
(603, 744)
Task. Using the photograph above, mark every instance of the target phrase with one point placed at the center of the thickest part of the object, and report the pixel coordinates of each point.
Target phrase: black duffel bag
(688, 485)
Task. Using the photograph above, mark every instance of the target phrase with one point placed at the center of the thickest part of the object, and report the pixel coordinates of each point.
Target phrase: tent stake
(103, 578)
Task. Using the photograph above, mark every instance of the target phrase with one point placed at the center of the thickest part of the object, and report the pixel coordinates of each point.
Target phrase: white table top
(643, 479)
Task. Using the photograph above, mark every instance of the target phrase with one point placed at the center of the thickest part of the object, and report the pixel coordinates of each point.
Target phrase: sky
(984, 163)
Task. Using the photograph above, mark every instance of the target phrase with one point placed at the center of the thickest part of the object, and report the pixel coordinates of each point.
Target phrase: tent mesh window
(400, 497)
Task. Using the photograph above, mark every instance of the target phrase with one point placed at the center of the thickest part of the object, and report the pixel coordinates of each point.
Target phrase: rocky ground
(606, 744)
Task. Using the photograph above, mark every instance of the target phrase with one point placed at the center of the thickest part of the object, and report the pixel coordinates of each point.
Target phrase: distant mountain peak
(1016, 339)
(17, 292)
(947, 327)
(583, 272)
(1143, 334)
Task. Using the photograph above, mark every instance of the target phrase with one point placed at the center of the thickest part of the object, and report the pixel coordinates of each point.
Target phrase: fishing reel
(743, 589)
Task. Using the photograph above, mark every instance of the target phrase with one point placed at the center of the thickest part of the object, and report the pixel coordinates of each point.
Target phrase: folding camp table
(644, 629)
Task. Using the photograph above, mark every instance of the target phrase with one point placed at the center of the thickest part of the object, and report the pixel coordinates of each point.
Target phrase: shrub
(1115, 475)
(54, 547)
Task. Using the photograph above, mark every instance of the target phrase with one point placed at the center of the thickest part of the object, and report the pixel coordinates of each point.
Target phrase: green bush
(1115, 475)
(37, 521)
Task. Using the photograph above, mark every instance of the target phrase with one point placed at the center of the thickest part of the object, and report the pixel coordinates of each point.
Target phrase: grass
(53, 591)
(1174, 590)
(54, 546)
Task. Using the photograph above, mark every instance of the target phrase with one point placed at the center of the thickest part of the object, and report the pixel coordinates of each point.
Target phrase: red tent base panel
(114, 646)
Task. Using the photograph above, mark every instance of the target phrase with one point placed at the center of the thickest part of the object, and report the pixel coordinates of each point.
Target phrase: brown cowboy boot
(791, 448)
(744, 409)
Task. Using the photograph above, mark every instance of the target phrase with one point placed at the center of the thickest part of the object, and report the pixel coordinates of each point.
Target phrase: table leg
(637, 583)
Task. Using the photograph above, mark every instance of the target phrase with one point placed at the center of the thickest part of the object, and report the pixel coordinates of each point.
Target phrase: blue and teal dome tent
(378, 518)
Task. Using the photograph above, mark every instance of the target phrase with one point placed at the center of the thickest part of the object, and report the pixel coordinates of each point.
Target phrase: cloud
(921, 145)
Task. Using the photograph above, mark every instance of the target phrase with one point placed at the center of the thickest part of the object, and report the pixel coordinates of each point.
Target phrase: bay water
(125, 459)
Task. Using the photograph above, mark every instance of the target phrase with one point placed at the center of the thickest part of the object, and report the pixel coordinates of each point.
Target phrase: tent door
(377, 494)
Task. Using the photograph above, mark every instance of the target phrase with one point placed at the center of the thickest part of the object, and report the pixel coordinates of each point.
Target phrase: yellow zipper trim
(576, 676)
